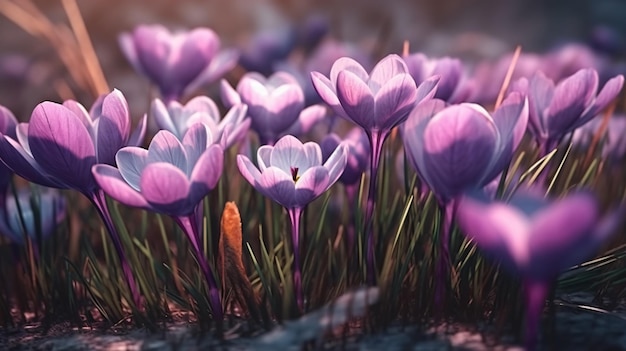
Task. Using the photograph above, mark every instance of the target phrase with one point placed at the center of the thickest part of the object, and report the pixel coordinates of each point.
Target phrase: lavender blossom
(292, 174)
(63, 141)
(275, 104)
(171, 177)
(377, 102)
(176, 62)
(461, 147)
(178, 118)
(536, 239)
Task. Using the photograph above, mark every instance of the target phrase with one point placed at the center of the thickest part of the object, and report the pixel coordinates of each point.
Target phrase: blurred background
(30, 70)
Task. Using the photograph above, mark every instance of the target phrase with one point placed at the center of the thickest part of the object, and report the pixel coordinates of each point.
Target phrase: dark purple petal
(8, 123)
(17, 159)
(459, 143)
(196, 140)
(571, 98)
(113, 184)
(113, 127)
(61, 145)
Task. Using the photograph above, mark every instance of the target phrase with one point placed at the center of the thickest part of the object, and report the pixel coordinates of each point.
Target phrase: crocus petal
(511, 119)
(263, 156)
(207, 172)
(228, 94)
(277, 185)
(561, 231)
(610, 90)
(385, 70)
(165, 147)
(289, 152)
(166, 188)
(336, 163)
(203, 104)
(394, 101)
(356, 99)
(114, 185)
(221, 63)
(248, 170)
(307, 119)
(162, 116)
(347, 64)
(310, 185)
(327, 91)
(427, 89)
(113, 127)
(131, 162)
(540, 93)
(127, 44)
(15, 157)
(285, 104)
(459, 142)
(8, 122)
(413, 135)
(571, 97)
(61, 145)
(195, 142)
(136, 138)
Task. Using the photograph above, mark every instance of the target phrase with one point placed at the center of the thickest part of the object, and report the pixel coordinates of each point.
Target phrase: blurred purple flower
(292, 174)
(460, 147)
(36, 216)
(8, 125)
(61, 144)
(266, 47)
(275, 104)
(613, 143)
(450, 71)
(177, 118)
(377, 102)
(176, 62)
(536, 239)
(558, 110)
(171, 177)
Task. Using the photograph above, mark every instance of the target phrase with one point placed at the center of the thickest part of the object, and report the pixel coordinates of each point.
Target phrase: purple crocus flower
(177, 118)
(171, 177)
(450, 71)
(63, 141)
(275, 104)
(292, 174)
(176, 62)
(377, 102)
(558, 110)
(537, 239)
(459, 147)
(8, 124)
(21, 220)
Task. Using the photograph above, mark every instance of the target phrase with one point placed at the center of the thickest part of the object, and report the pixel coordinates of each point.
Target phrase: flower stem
(189, 225)
(535, 293)
(443, 261)
(376, 138)
(99, 201)
(294, 216)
